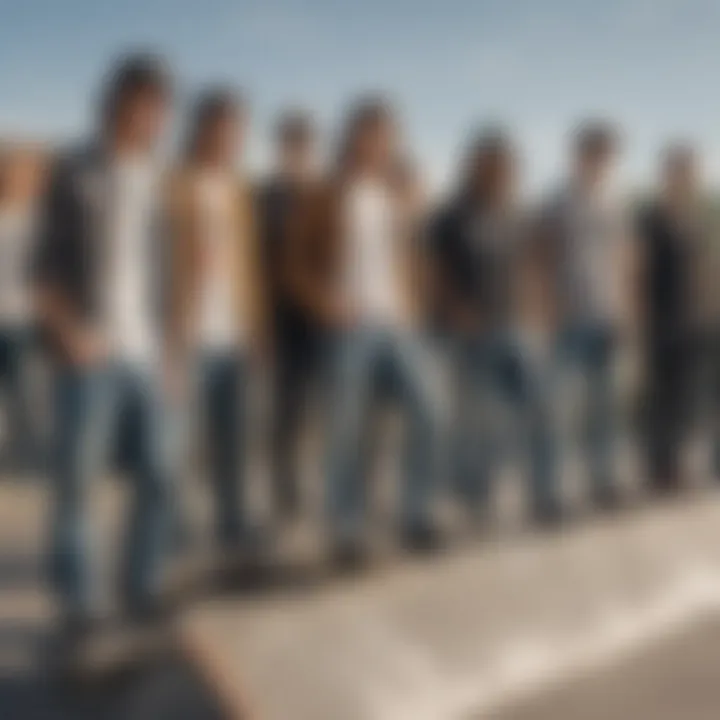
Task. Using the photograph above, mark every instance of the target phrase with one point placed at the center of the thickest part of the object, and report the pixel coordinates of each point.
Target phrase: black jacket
(72, 243)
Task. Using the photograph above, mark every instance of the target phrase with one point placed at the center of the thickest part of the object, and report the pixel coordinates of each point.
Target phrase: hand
(86, 348)
(343, 316)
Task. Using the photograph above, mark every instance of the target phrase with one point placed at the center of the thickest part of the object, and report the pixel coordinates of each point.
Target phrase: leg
(524, 381)
(423, 458)
(223, 389)
(290, 382)
(23, 444)
(84, 405)
(602, 419)
(662, 421)
(354, 359)
(147, 528)
(472, 446)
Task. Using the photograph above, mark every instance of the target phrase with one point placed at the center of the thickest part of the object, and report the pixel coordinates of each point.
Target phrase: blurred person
(297, 336)
(351, 266)
(589, 259)
(481, 250)
(217, 323)
(670, 229)
(21, 178)
(99, 271)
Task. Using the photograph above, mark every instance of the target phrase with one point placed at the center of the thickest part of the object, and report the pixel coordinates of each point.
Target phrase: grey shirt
(588, 232)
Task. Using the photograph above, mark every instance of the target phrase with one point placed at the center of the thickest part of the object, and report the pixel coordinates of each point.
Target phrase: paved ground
(677, 678)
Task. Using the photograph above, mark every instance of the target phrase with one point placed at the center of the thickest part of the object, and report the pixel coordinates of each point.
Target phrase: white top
(129, 320)
(371, 258)
(218, 323)
(592, 231)
(16, 234)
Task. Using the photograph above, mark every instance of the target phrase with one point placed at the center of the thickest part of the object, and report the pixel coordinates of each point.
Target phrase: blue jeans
(222, 386)
(590, 349)
(23, 449)
(89, 403)
(497, 366)
(363, 360)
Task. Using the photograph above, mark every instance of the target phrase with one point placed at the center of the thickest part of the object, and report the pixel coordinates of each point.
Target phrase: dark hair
(130, 76)
(213, 105)
(294, 126)
(488, 144)
(368, 111)
(596, 138)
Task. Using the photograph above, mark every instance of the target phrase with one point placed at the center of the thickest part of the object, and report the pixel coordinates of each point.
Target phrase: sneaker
(422, 538)
(349, 555)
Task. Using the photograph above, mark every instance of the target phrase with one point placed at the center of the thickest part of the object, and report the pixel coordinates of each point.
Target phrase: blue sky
(538, 65)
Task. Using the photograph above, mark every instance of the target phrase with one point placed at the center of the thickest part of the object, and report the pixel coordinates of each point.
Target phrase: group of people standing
(149, 283)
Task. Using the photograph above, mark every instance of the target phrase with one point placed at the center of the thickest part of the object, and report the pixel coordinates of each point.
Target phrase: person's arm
(539, 273)
(311, 226)
(256, 276)
(55, 250)
(629, 265)
(183, 254)
(452, 281)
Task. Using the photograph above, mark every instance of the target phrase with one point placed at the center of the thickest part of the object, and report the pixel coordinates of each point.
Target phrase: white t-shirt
(131, 288)
(371, 254)
(218, 322)
(16, 234)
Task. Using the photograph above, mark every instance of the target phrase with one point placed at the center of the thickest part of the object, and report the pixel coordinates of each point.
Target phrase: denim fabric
(88, 406)
(498, 367)
(23, 450)
(222, 391)
(590, 350)
(365, 360)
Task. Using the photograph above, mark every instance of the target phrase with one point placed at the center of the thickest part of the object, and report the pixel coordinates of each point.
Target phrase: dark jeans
(668, 407)
(222, 397)
(23, 448)
(297, 362)
(88, 406)
(704, 387)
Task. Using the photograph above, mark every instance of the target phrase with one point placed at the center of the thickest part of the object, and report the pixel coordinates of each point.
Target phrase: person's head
(489, 173)
(369, 141)
(295, 141)
(135, 102)
(595, 148)
(217, 128)
(680, 173)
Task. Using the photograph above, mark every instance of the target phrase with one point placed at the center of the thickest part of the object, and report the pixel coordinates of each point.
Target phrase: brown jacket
(187, 260)
(313, 261)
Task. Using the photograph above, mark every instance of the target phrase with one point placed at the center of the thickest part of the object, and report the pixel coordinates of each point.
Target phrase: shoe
(65, 654)
(349, 555)
(608, 499)
(422, 538)
(550, 516)
(152, 609)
